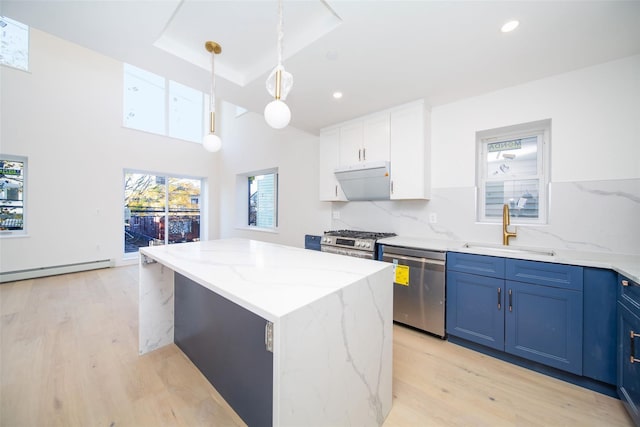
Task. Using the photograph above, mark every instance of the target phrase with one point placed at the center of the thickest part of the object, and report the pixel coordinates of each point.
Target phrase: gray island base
(288, 337)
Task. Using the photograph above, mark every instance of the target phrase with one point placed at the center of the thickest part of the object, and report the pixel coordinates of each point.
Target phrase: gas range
(361, 244)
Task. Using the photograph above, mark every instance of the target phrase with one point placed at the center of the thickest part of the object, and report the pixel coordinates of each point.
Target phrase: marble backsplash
(594, 216)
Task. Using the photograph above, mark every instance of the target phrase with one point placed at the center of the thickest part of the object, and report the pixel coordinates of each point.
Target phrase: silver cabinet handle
(632, 347)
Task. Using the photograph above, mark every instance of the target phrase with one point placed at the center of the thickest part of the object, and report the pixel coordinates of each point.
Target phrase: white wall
(595, 164)
(250, 145)
(65, 115)
(595, 125)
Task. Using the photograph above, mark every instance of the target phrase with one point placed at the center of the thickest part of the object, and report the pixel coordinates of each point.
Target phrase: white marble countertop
(627, 265)
(268, 279)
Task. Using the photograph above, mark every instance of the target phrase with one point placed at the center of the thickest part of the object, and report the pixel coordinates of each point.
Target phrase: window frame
(27, 28)
(167, 127)
(540, 129)
(25, 171)
(243, 194)
(167, 208)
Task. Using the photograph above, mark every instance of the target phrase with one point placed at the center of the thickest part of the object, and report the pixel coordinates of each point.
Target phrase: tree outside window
(160, 210)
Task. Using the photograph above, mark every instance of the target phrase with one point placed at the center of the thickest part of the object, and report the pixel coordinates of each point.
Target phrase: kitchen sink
(510, 249)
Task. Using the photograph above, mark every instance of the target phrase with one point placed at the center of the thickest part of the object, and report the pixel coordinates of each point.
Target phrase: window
(263, 200)
(513, 169)
(14, 43)
(160, 210)
(186, 112)
(13, 171)
(144, 104)
(147, 103)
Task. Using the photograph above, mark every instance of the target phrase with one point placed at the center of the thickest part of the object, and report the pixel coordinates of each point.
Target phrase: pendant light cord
(280, 32)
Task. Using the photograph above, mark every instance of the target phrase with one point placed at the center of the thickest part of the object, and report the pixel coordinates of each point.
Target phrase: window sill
(514, 224)
(10, 235)
(260, 229)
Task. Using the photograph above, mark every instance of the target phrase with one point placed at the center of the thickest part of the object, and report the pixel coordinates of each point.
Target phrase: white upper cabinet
(350, 144)
(364, 140)
(399, 135)
(330, 189)
(376, 138)
(409, 155)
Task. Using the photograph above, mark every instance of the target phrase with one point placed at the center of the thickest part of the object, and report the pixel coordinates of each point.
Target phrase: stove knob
(368, 245)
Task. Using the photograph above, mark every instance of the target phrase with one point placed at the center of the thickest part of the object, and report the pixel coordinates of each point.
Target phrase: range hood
(365, 181)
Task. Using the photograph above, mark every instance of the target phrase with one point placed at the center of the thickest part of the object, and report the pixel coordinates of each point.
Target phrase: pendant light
(212, 142)
(279, 83)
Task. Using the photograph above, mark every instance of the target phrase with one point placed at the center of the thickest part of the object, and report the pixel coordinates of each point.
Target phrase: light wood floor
(69, 357)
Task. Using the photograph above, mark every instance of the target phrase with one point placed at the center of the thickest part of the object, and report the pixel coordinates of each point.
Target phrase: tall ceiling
(378, 53)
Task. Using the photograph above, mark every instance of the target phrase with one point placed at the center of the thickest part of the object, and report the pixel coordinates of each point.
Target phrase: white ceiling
(378, 53)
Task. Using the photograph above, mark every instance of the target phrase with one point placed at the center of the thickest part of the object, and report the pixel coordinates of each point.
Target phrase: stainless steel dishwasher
(418, 288)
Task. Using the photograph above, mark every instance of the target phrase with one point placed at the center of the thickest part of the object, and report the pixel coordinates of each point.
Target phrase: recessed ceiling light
(337, 95)
(509, 26)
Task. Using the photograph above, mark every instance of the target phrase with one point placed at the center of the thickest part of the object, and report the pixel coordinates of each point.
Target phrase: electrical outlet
(336, 214)
(433, 218)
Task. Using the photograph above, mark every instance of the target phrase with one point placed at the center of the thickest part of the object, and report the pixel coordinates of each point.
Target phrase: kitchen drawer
(546, 274)
(482, 265)
(629, 291)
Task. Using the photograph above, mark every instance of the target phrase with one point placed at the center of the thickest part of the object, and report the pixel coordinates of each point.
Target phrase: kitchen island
(287, 336)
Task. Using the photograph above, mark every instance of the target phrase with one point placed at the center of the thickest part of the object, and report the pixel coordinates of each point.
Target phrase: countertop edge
(267, 313)
(624, 264)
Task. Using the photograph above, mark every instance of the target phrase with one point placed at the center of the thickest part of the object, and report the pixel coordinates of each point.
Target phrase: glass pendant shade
(286, 82)
(277, 114)
(212, 142)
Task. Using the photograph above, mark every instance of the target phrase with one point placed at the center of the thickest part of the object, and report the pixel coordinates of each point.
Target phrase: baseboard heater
(32, 273)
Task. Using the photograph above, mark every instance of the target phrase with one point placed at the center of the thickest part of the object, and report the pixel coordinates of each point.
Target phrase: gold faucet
(506, 221)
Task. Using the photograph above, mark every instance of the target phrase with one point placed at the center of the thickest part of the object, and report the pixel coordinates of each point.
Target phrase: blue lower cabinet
(312, 242)
(600, 323)
(226, 342)
(474, 308)
(544, 324)
(629, 347)
(533, 320)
